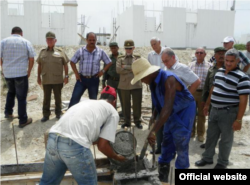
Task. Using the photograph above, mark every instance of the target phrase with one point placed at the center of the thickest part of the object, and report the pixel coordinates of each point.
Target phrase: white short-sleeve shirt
(88, 120)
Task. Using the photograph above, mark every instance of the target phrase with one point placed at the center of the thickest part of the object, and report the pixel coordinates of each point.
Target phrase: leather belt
(88, 76)
(199, 90)
(223, 108)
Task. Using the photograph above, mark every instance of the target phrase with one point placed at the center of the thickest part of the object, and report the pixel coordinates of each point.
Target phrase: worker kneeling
(176, 107)
(70, 139)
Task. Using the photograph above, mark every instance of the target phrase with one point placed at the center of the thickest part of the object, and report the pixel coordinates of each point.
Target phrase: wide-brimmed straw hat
(142, 68)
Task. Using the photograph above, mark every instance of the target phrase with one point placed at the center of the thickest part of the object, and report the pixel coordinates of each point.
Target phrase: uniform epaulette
(43, 48)
(121, 56)
(59, 49)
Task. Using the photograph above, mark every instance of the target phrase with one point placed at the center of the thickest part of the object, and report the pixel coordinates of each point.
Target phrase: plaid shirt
(201, 71)
(15, 53)
(90, 62)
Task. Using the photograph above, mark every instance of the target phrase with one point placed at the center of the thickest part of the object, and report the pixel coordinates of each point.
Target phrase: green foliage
(240, 46)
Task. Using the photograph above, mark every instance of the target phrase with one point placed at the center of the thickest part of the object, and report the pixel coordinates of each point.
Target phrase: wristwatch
(66, 76)
(103, 71)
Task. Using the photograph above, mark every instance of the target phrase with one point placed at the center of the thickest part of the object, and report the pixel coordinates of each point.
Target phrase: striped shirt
(15, 53)
(228, 87)
(201, 71)
(90, 62)
(244, 61)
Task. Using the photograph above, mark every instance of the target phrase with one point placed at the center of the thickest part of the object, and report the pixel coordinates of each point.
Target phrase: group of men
(179, 92)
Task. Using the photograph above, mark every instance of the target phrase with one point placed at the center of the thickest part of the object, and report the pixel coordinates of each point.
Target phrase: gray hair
(232, 52)
(202, 49)
(168, 52)
(155, 38)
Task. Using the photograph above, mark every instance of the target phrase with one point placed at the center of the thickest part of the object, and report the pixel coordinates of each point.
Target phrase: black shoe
(29, 121)
(125, 125)
(202, 163)
(163, 170)
(220, 166)
(58, 116)
(202, 146)
(44, 119)
(139, 126)
(157, 151)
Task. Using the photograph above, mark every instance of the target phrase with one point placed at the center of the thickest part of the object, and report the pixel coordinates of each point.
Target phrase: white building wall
(150, 23)
(36, 24)
(174, 26)
(180, 29)
(125, 23)
(243, 39)
(212, 26)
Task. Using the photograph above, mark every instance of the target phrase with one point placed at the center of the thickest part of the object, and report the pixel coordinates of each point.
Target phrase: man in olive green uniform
(51, 62)
(123, 67)
(111, 76)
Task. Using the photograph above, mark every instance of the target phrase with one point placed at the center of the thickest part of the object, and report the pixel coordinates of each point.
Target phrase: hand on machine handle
(120, 158)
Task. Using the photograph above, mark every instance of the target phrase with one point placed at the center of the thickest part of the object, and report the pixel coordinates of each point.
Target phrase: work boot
(138, 125)
(163, 170)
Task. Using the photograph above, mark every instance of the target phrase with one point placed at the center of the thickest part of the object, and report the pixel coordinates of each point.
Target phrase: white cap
(228, 39)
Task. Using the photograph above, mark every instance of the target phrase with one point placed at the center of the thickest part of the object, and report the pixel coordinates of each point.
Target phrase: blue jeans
(17, 87)
(91, 84)
(62, 154)
(176, 136)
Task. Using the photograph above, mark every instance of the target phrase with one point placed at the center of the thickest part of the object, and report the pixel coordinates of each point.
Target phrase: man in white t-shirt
(69, 141)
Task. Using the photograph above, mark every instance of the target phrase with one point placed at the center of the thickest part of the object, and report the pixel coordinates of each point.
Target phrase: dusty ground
(30, 140)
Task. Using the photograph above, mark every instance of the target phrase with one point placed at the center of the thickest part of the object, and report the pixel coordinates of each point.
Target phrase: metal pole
(135, 154)
(15, 146)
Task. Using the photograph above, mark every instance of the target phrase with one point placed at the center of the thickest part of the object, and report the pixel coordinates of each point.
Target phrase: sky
(104, 10)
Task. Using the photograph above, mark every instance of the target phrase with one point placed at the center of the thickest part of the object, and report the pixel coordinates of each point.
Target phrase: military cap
(50, 35)
(129, 44)
(219, 49)
(113, 44)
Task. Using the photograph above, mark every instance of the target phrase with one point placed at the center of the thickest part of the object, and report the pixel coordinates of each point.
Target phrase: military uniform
(123, 67)
(52, 63)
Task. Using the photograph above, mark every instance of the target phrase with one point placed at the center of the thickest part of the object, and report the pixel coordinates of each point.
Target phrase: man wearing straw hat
(176, 107)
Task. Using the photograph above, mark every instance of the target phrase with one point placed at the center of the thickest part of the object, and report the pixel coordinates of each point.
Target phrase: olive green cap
(113, 44)
(219, 49)
(129, 44)
(50, 35)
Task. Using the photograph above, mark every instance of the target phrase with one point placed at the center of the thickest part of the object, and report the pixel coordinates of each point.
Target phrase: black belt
(222, 108)
(94, 76)
(199, 90)
(114, 78)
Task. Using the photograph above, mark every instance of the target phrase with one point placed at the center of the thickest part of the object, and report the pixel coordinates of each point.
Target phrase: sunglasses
(199, 53)
(128, 48)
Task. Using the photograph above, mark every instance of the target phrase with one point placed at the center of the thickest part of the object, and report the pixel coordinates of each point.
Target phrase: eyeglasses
(128, 48)
(199, 53)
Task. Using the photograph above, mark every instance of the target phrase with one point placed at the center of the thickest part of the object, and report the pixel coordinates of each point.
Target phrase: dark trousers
(91, 84)
(47, 89)
(114, 84)
(126, 103)
(17, 87)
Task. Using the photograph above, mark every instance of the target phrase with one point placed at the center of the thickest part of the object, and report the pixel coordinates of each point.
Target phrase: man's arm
(104, 146)
(66, 69)
(170, 90)
(242, 108)
(245, 69)
(192, 88)
(73, 66)
(31, 63)
(39, 69)
(105, 69)
(207, 104)
(120, 69)
(205, 91)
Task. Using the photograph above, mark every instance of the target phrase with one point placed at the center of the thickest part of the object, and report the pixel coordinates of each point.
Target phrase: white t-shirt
(88, 120)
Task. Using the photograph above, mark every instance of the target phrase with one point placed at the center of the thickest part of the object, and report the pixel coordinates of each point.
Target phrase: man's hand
(78, 77)
(39, 80)
(205, 110)
(120, 158)
(66, 80)
(28, 73)
(99, 74)
(151, 139)
(236, 125)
